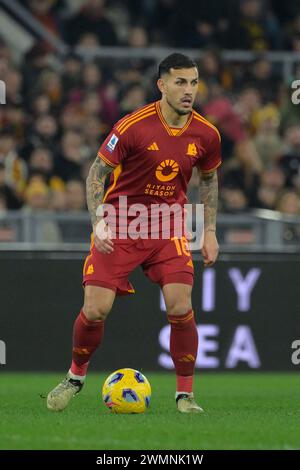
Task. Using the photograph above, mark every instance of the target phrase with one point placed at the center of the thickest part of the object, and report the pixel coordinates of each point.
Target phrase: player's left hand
(210, 249)
(103, 237)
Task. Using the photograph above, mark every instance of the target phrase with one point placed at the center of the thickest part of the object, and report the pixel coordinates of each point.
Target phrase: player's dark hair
(175, 61)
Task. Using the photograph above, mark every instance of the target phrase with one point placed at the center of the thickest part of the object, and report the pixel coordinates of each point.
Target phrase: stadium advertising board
(247, 314)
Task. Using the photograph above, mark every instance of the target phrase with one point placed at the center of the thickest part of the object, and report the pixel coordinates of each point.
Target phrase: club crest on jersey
(192, 150)
(112, 143)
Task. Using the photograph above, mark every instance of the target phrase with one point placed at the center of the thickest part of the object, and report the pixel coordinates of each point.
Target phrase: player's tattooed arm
(95, 187)
(209, 197)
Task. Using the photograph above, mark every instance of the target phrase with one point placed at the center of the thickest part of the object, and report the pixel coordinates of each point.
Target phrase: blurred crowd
(59, 109)
(231, 24)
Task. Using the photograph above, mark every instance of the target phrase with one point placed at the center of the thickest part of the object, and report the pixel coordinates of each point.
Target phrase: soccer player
(150, 155)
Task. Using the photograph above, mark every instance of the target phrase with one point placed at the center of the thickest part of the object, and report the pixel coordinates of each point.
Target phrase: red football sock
(87, 335)
(183, 349)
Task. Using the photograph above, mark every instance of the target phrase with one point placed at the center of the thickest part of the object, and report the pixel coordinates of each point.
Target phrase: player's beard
(180, 112)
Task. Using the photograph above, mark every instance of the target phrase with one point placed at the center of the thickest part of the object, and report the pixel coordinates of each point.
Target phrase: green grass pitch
(242, 411)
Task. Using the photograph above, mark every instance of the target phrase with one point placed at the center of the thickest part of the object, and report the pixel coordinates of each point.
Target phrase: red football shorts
(163, 262)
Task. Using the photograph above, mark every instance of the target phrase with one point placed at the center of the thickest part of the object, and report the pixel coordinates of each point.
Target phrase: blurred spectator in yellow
(15, 167)
(37, 196)
(268, 142)
(58, 198)
(41, 166)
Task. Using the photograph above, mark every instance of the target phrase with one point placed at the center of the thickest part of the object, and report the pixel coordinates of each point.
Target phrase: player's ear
(161, 85)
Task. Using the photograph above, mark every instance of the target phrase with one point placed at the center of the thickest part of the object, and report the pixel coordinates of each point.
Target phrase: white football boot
(186, 403)
(59, 398)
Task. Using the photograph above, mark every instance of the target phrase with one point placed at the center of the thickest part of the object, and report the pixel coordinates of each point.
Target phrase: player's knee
(180, 307)
(95, 312)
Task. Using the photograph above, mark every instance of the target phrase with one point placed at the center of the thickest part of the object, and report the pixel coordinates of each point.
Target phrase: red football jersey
(153, 162)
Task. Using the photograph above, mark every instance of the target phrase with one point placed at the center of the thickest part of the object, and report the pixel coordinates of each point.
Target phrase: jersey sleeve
(212, 158)
(114, 149)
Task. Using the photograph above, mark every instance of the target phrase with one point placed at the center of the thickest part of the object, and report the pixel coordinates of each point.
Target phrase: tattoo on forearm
(95, 186)
(209, 197)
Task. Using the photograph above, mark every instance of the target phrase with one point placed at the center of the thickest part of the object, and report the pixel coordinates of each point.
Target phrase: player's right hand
(103, 237)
